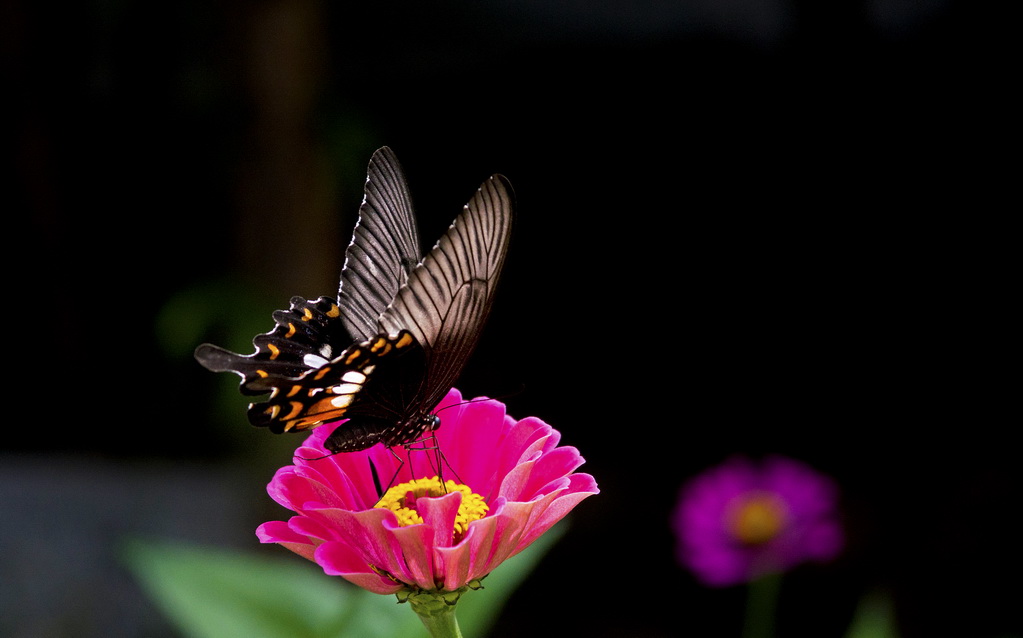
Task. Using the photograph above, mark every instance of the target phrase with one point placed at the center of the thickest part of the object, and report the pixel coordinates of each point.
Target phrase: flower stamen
(401, 499)
(757, 518)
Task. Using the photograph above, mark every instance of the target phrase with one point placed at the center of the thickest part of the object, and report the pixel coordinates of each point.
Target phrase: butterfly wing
(441, 311)
(384, 248)
(449, 295)
(306, 336)
(327, 392)
(413, 324)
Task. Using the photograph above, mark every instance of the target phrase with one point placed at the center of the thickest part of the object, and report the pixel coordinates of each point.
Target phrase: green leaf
(215, 593)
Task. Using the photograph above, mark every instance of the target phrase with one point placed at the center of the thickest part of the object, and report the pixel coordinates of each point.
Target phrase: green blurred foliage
(875, 617)
(214, 593)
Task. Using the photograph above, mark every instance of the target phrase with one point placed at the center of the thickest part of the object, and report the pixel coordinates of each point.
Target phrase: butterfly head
(432, 422)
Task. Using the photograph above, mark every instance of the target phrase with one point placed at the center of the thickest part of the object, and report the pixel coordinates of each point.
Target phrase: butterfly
(386, 351)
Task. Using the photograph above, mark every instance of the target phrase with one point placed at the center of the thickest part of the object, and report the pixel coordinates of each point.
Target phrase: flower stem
(761, 606)
(436, 608)
(441, 623)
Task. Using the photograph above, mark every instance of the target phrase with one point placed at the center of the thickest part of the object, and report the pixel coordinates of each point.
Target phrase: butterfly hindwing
(306, 336)
(328, 392)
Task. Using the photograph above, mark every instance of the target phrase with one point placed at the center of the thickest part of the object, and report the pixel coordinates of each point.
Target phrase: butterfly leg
(430, 445)
(394, 477)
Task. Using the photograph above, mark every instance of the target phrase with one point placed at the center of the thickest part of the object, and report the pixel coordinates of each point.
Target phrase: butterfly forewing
(449, 295)
(384, 248)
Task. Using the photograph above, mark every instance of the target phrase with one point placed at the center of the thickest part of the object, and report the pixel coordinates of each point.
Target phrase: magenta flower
(509, 482)
(742, 519)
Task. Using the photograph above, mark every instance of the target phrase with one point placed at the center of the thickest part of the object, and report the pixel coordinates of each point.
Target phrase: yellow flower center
(757, 518)
(401, 499)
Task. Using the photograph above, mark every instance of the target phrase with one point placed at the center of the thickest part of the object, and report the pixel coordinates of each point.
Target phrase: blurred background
(744, 227)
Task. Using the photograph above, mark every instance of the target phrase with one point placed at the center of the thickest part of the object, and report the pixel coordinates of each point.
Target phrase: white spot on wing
(314, 361)
(354, 376)
(346, 388)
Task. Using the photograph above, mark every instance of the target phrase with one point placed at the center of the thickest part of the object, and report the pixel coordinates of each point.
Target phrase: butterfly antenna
(315, 458)
(500, 397)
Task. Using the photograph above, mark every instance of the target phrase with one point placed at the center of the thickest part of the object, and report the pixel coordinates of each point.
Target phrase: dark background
(744, 227)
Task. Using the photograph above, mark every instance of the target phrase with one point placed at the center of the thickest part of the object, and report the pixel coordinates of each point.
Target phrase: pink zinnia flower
(422, 536)
(742, 519)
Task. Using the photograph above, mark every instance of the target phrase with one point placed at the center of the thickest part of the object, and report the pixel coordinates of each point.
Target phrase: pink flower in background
(744, 519)
(513, 483)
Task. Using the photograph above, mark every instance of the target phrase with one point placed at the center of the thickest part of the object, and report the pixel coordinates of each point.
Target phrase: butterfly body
(394, 342)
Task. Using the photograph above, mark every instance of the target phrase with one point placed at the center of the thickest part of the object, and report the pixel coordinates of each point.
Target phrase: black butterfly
(390, 347)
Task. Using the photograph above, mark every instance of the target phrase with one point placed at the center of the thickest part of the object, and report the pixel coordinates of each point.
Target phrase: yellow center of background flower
(401, 499)
(757, 518)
